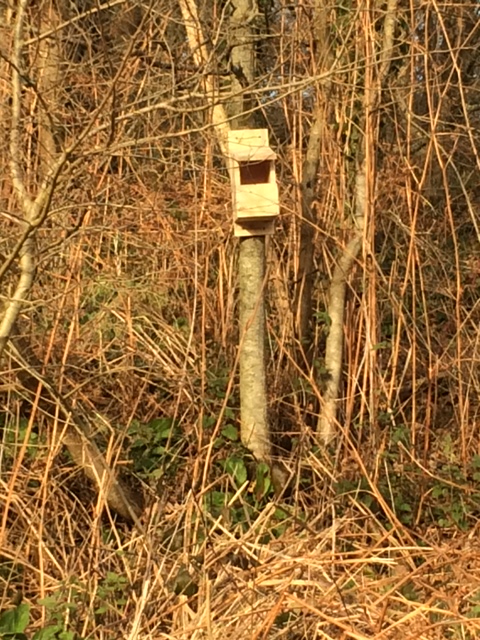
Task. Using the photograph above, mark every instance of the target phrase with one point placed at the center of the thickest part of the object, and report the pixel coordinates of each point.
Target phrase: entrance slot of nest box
(255, 172)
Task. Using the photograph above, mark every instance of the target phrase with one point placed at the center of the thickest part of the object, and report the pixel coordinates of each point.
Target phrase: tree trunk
(251, 274)
(253, 398)
(251, 268)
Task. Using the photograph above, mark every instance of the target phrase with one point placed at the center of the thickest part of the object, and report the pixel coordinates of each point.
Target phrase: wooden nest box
(254, 184)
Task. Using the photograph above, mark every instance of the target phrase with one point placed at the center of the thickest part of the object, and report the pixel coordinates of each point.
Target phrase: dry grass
(151, 335)
(133, 317)
(352, 578)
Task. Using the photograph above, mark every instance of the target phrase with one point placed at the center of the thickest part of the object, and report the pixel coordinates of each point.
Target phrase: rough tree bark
(34, 211)
(253, 397)
(49, 75)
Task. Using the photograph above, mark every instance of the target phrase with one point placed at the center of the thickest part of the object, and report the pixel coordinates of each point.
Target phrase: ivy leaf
(229, 432)
(15, 621)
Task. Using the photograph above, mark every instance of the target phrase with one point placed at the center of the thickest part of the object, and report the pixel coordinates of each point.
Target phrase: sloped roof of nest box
(249, 145)
(244, 153)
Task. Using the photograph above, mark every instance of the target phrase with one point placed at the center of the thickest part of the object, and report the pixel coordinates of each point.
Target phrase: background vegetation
(131, 319)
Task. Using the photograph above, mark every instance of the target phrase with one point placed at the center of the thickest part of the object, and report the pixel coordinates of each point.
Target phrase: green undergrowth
(440, 492)
(65, 609)
(240, 488)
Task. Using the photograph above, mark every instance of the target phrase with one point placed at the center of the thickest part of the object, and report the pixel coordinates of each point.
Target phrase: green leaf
(209, 421)
(50, 602)
(159, 451)
(262, 482)
(230, 432)
(15, 620)
(162, 428)
(48, 633)
(236, 468)
(323, 317)
(438, 491)
(474, 612)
